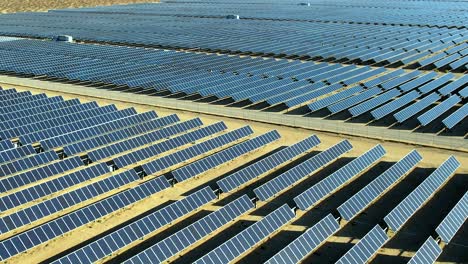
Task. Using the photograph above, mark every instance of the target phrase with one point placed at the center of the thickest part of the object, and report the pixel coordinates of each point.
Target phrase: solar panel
(366, 248)
(430, 86)
(438, 110)
(464, 93)
(52, 229)
(406, 208)
(158, 148)
(54, 104)
(394, 105)
(329, 100)
(128, 132)
(57, 184)
(367, 195)
(273, 161)
(339, 178)
(62, 202)
(399, 80)
(347, 103)
(456, 117)
(194, 233)
(142, 140)
(411, 110)
(16, 153)
(249, 237)
(308, 167)
(373, 103)
(451, 87)
(305, 244)
(385, 77)
(196, 150)
(200, 166)
(454, 220)
(418, 81)
(427, 253)
(33, 175)
(26, 163)
(134, 231)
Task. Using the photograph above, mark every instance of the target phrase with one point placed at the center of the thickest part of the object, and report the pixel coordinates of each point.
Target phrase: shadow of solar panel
(336, 180)
(305, 244)
(249, 237)
(25, 178)
(454, 220)
(196, 150)
(153, 150)
(438, 110)
(366, 248)
(289, 178)
(427, 253)
(138, 229)
(65, 201)
(277, 159)
(456, 117)
(57, 184)
(43, 233)
(406, 208)
(369, 194)
(223, 156)
(193, 233)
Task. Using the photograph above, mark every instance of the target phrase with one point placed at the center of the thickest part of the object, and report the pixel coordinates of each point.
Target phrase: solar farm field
(136, 186)
(245, 131)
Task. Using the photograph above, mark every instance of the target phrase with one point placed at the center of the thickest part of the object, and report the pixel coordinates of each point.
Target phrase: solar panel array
(427, 253)
(454, 220)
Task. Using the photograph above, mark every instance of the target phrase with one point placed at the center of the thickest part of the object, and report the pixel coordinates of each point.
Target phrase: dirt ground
(399, 248)
(12, 6)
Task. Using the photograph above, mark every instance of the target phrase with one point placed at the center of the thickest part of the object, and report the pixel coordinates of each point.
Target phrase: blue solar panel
(394, 105)
(37, 174)
(199, 149)
(249, 237)
(65, 201)
(200, 166)
(49, 187)
(5, 145)
(138, 229)
(464, 93)
(430, 86)
(366, 248)
(454, 220)
(305, 244)
(347, 103)
(418, 81)
(193, 233)
(361, 200)
(43, 233)
(399, 80)
(158, 148)
(405, 209)
(373, 103)
(438, 110)
(267, 164)
(427, 253)
(16, 153)
(336, 180)
(383, 78)
(53, 104)
(26, 163)
(329, 100)
(411, 110)
(297, 173)
(451, 87)
(456, 117)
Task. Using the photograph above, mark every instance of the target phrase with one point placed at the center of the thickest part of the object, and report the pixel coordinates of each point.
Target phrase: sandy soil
(12, 6)
(398, 250)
